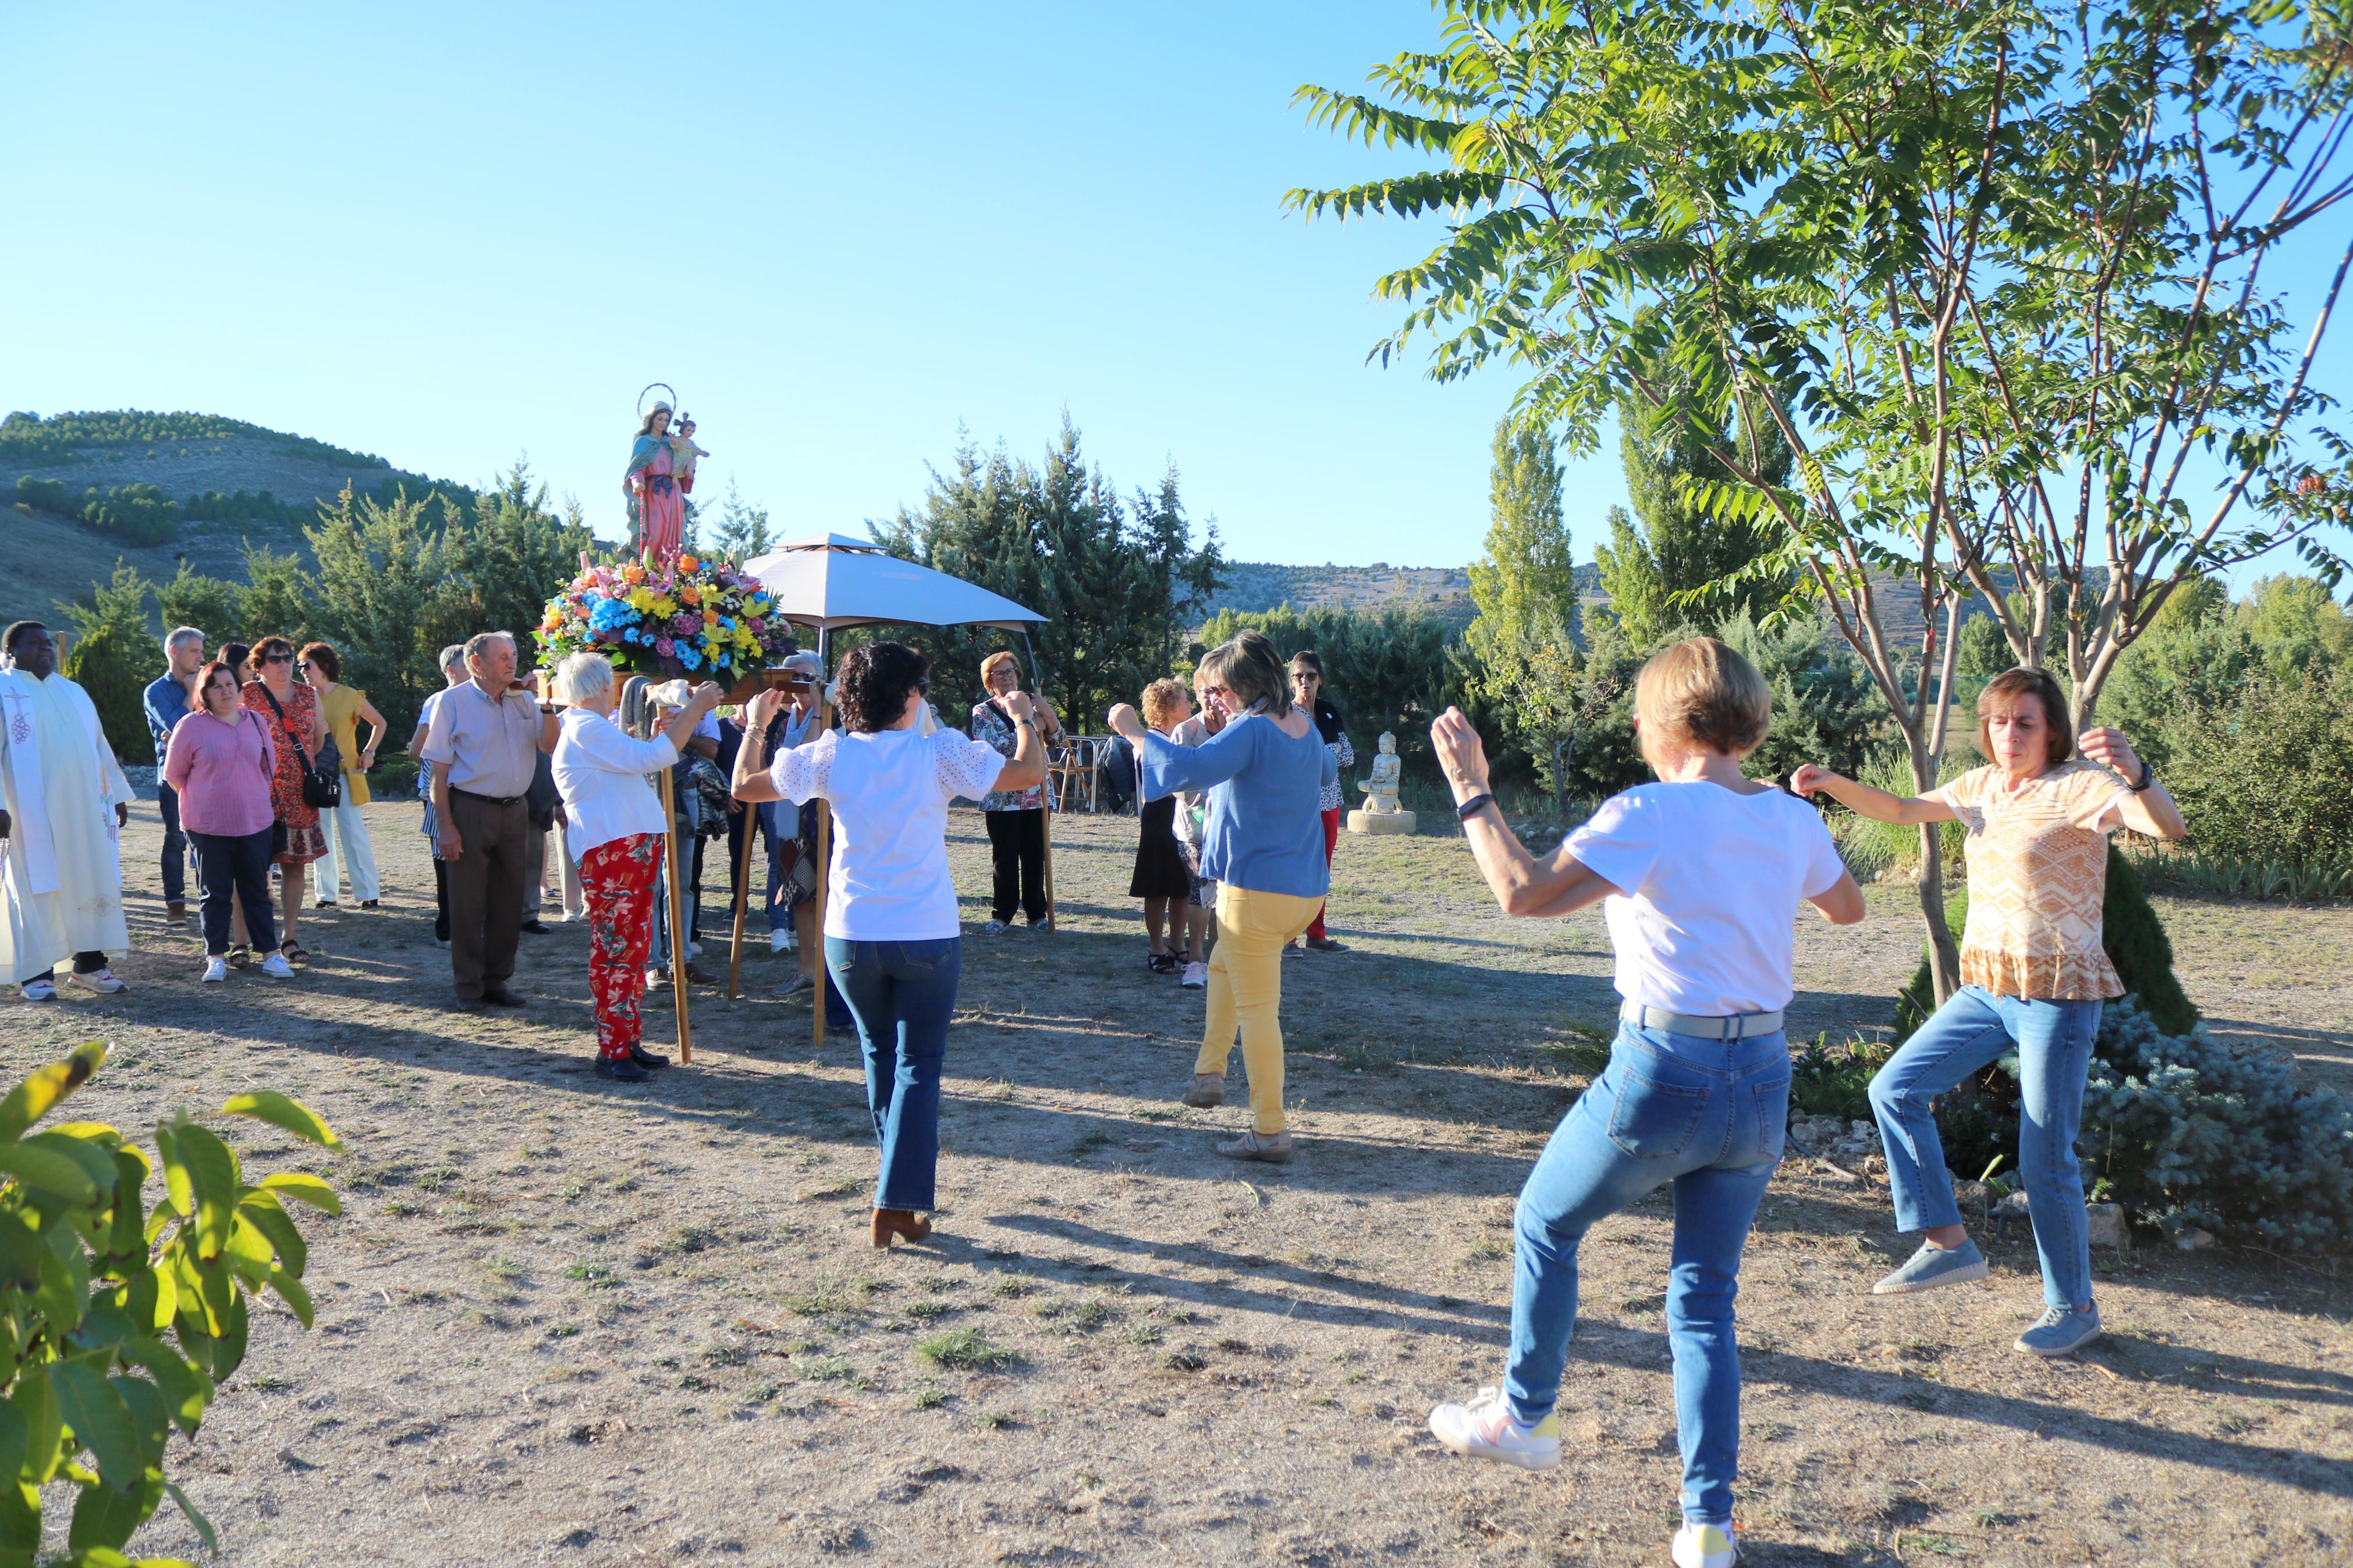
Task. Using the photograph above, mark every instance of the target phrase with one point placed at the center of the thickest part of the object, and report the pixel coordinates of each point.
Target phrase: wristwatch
(2147, 777)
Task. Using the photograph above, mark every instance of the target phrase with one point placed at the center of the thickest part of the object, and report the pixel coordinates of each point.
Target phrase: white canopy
(832, 581)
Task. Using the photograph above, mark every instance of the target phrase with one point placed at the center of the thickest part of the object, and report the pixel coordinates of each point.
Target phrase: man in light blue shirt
(167, 702)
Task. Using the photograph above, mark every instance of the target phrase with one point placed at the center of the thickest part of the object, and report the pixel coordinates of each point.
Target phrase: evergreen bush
(111, 657)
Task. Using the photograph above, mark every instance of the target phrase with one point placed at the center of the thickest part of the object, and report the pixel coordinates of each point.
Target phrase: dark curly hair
(874, 683)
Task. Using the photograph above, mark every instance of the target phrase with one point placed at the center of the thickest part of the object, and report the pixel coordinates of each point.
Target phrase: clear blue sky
(458, 235)
(455, 235)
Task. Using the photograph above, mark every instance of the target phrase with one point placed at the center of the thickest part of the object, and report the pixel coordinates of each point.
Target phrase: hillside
(1443, 591)
(46, 557)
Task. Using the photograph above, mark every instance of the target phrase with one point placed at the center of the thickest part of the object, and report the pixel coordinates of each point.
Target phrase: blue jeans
(175, 846)
(1969, 1033)
(901, 995)
(1708, 1116)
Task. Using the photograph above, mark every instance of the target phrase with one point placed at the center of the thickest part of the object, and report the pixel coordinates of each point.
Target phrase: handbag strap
(300, 749)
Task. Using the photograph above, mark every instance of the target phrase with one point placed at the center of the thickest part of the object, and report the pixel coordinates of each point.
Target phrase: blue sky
(458, 234)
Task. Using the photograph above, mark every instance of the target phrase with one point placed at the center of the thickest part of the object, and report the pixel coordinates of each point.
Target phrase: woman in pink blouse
(221, 761)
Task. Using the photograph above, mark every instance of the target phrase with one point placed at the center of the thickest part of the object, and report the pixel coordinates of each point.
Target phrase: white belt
(1739, 1026)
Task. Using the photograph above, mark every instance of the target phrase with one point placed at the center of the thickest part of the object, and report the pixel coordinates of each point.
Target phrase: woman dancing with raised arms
(1702, 873)
(2033, 974)
(891, 939)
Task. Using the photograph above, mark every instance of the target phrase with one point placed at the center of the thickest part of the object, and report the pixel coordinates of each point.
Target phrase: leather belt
(1738, 1026)
(489, 799)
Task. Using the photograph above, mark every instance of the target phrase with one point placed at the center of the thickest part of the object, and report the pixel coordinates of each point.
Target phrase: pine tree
(1672, 564)
(113, 655)
(1525, 585)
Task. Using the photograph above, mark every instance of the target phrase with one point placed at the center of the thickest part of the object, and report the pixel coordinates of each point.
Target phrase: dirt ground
(574, 1322)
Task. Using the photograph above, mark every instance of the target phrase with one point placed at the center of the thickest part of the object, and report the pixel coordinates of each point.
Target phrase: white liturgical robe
(62, 864)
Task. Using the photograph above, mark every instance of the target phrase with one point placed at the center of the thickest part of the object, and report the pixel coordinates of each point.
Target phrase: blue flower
(689, 658)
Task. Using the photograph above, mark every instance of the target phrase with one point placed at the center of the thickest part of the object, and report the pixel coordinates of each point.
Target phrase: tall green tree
(740, 529)
(1674, 563)
(1995, 272)
(1113, 586)
(387, 599)
(113, 655)
(512, 555)
(1523, 643)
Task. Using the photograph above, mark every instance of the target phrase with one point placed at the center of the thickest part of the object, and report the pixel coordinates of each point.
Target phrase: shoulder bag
(323, 787)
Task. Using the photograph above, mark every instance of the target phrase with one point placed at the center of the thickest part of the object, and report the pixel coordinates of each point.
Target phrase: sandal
(240, 955)
(1162, 963)
(291, 951)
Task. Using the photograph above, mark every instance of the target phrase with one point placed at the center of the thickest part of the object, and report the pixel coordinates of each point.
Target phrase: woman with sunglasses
(300, 731)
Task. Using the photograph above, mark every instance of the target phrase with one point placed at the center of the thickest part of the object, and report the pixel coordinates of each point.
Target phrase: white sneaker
(216, 967)
(693, 950)
(1705, 1546)
(1486, 1429)
(1197, 974)
(39, 990)
(995, 928)
(277, 968)
(780, 941)
(100, 979)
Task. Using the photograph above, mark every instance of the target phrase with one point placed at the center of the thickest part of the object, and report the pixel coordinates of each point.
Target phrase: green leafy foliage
(139, 514)
(1386, 669)
(1117, 581)
(126, 1318)
(2267, 775)
(112, 657)
(27, 440)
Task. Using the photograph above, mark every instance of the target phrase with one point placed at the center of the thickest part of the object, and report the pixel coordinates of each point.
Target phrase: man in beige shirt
(482, 746)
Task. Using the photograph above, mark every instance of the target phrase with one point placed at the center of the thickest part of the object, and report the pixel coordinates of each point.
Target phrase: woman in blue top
(1264, 843)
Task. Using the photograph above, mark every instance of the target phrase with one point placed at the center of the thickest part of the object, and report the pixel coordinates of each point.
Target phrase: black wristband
(1470, 807)
(2147, 777)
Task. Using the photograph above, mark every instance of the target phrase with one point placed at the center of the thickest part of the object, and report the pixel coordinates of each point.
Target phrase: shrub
(2268, 777)
(92, 1280)
(964, 1350)
(112, 657)
(2192, 1133)
(140, 514)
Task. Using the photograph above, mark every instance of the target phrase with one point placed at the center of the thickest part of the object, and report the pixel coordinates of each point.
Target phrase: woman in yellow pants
(1264, 843)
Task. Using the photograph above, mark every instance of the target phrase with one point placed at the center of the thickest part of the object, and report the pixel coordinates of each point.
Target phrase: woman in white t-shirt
(892, 939)
(1702, 874)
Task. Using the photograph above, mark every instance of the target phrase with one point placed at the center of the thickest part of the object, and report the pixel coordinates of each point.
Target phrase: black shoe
(500, 997)
(622, 1072)
(648, 1060)
(537, 927)
(368, 903)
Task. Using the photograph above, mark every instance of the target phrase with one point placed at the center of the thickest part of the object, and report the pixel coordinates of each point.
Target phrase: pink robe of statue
(661, 508)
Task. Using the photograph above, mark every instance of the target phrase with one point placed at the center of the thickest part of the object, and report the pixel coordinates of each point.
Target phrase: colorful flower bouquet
(692, 619)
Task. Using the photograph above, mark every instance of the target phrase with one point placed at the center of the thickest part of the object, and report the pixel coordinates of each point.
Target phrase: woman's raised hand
(1021, 705)
(707, 696)
(1809, 778)
(765, 704)
(2111, 750)
(1127, 721)
(1459, 753)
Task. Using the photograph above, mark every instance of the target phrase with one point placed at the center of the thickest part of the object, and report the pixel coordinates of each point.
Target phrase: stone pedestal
(1378, 822)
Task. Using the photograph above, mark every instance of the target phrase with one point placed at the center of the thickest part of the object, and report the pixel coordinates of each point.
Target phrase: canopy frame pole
(824, 850)
(1046, 792)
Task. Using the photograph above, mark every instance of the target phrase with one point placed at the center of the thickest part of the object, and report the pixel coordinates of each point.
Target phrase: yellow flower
(642, 601)
(665, 605)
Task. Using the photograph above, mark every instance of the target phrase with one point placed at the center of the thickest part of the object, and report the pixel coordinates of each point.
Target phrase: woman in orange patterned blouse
(2033, 975)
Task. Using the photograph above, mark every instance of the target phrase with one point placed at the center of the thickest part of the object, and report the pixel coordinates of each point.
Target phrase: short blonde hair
(1248, 667)
(583, 676)
(1163, 700)
(989, 666)
(1703, 693)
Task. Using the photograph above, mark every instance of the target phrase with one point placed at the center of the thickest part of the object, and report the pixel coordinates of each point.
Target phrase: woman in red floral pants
(618, 879)
(614, 823)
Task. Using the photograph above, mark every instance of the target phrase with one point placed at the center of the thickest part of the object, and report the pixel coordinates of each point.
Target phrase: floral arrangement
(692, 617)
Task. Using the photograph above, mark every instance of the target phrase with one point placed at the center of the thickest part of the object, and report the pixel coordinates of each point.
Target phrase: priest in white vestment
(66, 801)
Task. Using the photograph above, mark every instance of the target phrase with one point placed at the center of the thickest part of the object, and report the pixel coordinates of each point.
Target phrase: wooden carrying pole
(1046, 794)
(824, 851)
(677, 962)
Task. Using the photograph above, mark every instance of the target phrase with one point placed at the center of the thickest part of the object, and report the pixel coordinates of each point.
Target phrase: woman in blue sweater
(1264, 843)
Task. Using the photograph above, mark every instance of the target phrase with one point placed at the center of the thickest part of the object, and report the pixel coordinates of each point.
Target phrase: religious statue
(1381, 813)
(1381, 784)
(656, 504)
(683, 452)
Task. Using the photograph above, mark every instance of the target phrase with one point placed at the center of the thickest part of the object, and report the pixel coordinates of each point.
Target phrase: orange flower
(687, 564)
(688, 594)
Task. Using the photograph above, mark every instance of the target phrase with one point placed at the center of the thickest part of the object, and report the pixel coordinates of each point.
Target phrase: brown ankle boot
(900, 1222)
